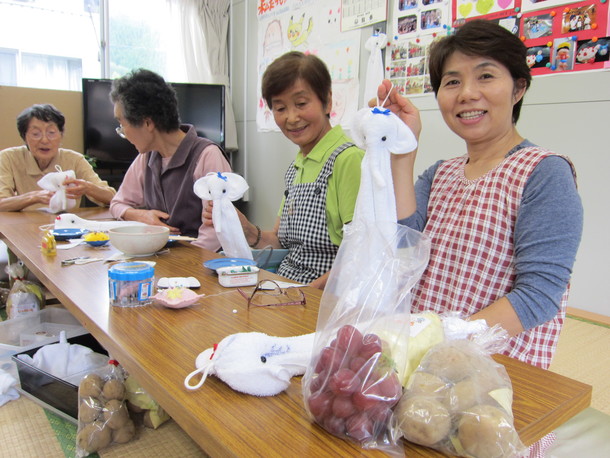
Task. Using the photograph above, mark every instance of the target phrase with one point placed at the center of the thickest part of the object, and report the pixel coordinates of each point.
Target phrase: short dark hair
(284, 71)
(45, 112)
(144, 94)
(483, 38)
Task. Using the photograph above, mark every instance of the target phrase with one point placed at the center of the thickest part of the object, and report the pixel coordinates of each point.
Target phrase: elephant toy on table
(254, 363)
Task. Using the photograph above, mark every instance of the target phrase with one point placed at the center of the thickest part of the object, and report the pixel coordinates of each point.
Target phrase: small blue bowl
(97, 242)
(61, 235)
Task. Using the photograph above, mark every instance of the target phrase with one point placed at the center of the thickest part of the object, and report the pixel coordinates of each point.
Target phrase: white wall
(566, 113)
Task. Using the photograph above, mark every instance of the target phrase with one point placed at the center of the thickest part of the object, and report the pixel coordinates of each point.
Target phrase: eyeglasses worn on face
(38, 134)
(120, 131)
(268, 292)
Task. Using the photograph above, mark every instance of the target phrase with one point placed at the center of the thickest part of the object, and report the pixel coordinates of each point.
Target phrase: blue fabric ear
(217, 185)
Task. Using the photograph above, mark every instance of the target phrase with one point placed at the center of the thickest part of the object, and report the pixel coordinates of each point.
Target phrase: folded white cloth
(63, 359)
(8, 391)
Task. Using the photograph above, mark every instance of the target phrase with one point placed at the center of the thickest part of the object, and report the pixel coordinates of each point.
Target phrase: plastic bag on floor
(103, 417)
(25, 297)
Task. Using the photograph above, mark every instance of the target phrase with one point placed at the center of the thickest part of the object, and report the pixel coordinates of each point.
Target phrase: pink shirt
(130, 193)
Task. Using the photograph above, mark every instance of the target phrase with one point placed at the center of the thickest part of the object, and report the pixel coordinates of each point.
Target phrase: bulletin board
(560, 35)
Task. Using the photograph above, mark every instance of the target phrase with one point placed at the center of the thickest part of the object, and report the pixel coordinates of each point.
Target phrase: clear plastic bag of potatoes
(103, 417)
(459, 400)
(353, 382)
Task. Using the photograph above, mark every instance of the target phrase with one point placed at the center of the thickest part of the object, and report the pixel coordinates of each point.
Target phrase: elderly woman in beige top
(42, 128)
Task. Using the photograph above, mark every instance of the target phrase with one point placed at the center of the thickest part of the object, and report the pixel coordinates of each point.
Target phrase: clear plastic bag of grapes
(352, 383)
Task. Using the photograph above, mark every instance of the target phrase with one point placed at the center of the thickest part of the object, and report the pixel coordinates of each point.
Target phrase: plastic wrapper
(352, 383)
(425, 331)
(103, 417)
(3, 296)
(24, 297)
(459, 400)
(142, 406)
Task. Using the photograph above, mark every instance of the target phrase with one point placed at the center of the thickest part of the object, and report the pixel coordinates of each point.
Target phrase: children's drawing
(311, 27)
(297, 35)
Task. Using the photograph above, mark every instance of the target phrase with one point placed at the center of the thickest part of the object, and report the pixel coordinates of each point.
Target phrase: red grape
(330, 359)
(365, 400)
(343, 407)
(320, 404)
(349, 339)
(334, 425)
(371, 344)
(379, 414)
(356, 363)
(319, 381)
(390, 388)
(360, 427)
(383, 389)
(344, 382)
(368, 369)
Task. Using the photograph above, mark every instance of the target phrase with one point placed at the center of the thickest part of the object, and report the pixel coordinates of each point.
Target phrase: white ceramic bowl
(139, 240)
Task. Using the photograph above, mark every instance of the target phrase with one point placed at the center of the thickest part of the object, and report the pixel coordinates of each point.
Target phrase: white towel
(8, 391)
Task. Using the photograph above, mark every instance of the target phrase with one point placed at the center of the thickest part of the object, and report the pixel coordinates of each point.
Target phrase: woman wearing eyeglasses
(42, 129)
(158, 186)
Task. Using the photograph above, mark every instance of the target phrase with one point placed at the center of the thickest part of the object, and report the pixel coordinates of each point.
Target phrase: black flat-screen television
(202, 105)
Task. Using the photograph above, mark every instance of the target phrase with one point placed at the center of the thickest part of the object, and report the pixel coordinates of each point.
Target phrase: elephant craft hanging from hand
(223, 188)
(380, 133)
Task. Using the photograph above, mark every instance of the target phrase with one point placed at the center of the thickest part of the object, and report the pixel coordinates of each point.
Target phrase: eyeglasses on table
(269, 293)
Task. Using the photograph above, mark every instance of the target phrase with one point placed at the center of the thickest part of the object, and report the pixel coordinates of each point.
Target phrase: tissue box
(36, 329)
(57, 395)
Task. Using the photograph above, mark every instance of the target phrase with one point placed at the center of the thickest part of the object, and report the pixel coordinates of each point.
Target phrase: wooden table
(159, 346)
(43, 218)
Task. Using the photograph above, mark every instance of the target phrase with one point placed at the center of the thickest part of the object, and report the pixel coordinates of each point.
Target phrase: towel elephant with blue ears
(222, 189)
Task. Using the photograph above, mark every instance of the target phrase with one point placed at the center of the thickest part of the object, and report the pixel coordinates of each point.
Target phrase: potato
(115, 414)
(465, 394)
(426, 384)
(114, 389)
(449, 362)
(90, 385)
(125, 433)
(89, 409)
(486, 431)
(423, 420)
(93, 437)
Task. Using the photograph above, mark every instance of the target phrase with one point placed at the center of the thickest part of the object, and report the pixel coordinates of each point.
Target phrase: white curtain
(205, 26)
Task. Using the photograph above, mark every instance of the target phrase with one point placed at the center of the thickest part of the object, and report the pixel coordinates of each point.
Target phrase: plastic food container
(130, 284)
(38, 328)
(237, 276)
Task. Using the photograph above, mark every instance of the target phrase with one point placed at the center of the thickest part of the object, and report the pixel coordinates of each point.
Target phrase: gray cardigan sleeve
(546, 237)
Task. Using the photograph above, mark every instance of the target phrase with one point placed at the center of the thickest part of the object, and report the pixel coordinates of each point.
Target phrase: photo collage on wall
(561, 35)
(416, 24)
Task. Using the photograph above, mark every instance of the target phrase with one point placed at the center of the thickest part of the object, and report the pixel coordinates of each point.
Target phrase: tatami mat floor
(25, 429)
(25, 432)
(582, 354)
